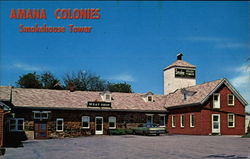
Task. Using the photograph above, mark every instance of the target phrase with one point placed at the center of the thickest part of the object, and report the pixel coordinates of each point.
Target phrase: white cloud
(27, 67)
(233, 45)
(219, 42)
(122, 77)
(242, 82)
(206, 39)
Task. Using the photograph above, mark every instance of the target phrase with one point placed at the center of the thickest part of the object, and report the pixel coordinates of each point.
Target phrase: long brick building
(185, 108)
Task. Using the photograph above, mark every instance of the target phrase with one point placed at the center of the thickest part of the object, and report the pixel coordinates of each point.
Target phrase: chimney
(71, 87)
(179, 56)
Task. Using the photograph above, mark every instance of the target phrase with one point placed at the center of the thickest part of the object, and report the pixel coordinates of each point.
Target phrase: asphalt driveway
(134, 147)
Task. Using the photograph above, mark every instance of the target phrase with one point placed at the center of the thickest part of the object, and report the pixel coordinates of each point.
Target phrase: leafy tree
(29, 80)
(84, 81)
(49, 81)
(120, 87)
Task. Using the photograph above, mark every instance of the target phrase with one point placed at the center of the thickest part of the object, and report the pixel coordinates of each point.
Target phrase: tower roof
(180, 63)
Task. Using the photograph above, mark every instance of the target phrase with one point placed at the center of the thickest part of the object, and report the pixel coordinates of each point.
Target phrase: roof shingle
(180, 63)
(26, 97)
(201, 92)
(79, 99)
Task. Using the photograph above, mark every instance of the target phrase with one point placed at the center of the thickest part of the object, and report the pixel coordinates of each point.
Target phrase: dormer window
(187, 94)
(148, 97)
(106, 96)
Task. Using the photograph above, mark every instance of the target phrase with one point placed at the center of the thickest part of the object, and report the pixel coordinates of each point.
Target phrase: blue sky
(132, 42)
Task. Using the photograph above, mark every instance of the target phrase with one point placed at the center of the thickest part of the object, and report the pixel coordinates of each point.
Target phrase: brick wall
(196, 130)
(72, 121)
(203, 117)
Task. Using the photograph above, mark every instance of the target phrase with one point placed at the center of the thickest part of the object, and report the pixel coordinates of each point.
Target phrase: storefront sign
(99, 104)
(185, 73)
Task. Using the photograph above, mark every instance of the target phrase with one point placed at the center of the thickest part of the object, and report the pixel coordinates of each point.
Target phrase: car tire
(144, 133)
(157, 134)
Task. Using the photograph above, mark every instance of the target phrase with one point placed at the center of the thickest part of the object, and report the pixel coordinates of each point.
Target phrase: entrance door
(215, 123)
(40, 130)
(99, 125)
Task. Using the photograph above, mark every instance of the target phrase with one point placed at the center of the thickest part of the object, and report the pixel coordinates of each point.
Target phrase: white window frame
(190, 118)
(233, 120)
(88, 118)
(59, 119)
(218, 100)
(163, 115)
(114, 118)
(41, 112)
(16, 125)
(182, 117)
(228, 99)
(150, 96)
(105, 96)
(173, 119)
(152, 118)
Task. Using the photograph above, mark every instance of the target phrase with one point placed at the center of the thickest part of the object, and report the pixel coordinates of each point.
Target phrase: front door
(216, 123)
(40, 130)
(99, 125)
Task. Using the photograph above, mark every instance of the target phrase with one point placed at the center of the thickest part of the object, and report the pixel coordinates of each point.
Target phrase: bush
(120, 131)
(246, 135)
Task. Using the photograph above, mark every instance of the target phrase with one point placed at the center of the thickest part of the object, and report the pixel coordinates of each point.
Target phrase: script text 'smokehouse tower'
(179, 74)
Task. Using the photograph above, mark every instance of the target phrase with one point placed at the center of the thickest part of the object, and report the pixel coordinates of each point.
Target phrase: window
(16, 124)
(173, 121)
(112, 122)
(216, 100)
(230, 99)
(41, 115)
(85, 122)
(108, 97)
(149, 118)
(192, 120)
(150, 99)
(182, 120)
(59, 124)
(162, 120)
(231, 120)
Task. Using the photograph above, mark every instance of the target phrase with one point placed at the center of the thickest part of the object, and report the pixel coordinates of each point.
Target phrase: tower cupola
(179, 74)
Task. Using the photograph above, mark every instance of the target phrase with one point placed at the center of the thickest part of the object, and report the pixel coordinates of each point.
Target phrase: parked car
(148, 129)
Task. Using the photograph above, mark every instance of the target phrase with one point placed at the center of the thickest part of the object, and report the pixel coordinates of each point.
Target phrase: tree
(49, 81)
(84, 81)
(29, 80)
(120, 87)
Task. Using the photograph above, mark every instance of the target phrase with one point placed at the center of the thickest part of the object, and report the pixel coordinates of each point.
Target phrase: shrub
(246, 135)
(120, 131)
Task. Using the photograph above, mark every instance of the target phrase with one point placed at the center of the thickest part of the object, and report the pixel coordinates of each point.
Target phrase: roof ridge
(82, 91)
(205, 83)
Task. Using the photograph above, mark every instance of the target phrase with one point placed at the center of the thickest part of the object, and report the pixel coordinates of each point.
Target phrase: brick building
(185, 108)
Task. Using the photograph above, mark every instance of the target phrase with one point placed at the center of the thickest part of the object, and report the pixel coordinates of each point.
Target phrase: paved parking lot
(134, 147)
